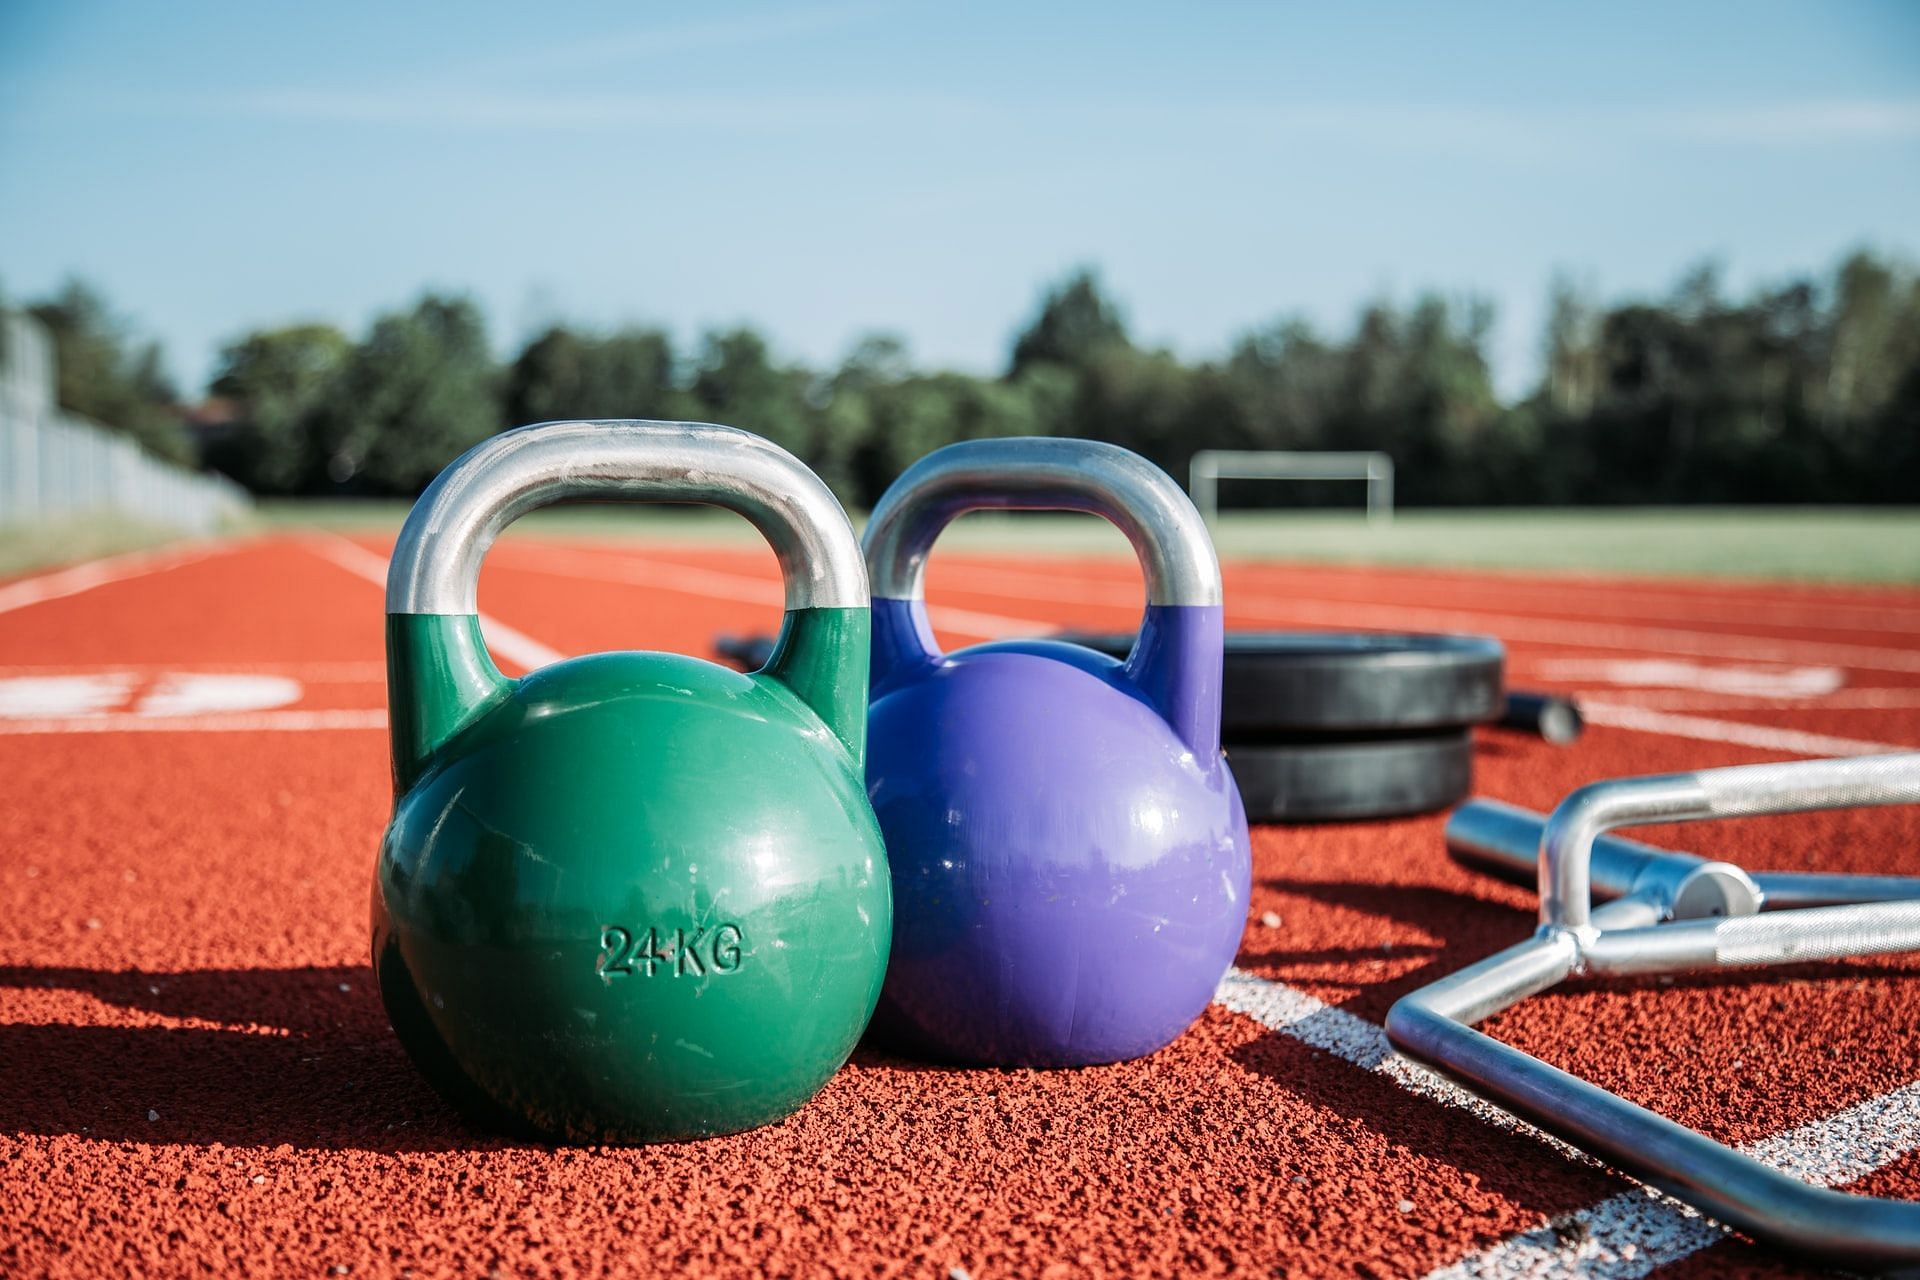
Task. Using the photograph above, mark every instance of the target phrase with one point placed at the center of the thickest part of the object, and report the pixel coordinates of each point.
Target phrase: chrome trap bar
(1673, 913)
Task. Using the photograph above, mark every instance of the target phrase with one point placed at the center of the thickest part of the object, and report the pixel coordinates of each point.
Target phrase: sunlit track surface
(195, 1072)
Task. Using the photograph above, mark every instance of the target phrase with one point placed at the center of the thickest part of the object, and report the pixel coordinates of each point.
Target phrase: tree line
(1807, 391)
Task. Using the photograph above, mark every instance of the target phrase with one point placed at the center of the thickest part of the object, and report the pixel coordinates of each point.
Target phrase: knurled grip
(1846, 783)
(1818, 933)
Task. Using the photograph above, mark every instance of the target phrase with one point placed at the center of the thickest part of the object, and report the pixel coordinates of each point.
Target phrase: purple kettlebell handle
(1176, 660)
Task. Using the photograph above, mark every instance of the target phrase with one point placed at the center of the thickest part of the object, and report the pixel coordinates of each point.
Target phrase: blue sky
(827, 169)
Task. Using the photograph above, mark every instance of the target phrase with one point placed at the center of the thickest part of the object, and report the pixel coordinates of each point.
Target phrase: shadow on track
(294, 1059)
(1468, 928)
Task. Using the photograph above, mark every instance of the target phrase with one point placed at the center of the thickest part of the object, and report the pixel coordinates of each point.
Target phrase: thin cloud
(1496, 133)
(621, 48)
(1802, 123)
(491, 109)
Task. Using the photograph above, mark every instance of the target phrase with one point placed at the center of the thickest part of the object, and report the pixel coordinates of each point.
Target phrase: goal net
(1210, 466)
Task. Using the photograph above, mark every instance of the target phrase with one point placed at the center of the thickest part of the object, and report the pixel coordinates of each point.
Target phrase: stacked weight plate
(1327, 726)
(1324, 726)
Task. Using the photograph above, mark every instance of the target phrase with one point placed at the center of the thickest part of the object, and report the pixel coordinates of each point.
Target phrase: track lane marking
(1642, 719)
(305, 672)
(1560, 633)
(1623, 1236)
(235, 722)
(515, 645)
(641, 571)
(1669, 673)
(1626, 1236)
(74, 579)
(1718, 599)
(1871, 699)
(1290, 1011)
(720, 584)
(1568, 633)
(1896, 618)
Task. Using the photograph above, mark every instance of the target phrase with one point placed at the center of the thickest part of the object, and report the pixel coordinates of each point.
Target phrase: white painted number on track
(172, 695)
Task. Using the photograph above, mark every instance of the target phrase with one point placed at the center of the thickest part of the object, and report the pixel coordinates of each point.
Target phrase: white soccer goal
(1210, 466)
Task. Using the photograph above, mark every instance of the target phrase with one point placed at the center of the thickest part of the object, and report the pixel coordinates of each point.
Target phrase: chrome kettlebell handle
(440, 677)
(1176, 659)
(436, 562)
(1036, 473)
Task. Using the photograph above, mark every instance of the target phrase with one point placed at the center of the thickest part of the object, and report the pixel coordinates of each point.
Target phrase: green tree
(1141, 400)
(279, 379)
(416, 393)
(844, 453)
(104, 373)
(566, 374)
(736, 383)
(1075, 323)
(1281, 385)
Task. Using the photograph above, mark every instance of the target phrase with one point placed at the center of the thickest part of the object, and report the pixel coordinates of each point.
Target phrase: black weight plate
(1347, 682)
(1364, 778)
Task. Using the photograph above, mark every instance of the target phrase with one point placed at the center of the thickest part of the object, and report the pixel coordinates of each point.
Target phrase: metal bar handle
(1781, 937)
(1566, 844)
(1832, 1227)
(1503, 840)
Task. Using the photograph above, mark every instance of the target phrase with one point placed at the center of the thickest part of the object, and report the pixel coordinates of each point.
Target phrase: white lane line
(97, 573)
(715, 584)
(738, 586)
(1626, 1235)
(168, 696)
(1631, 1234)
(514, 645)
(305, 672)
(1672, 673)
(1310, 1020)
(241, 722)
(1568, 633)
(1706, 604)
(1621, 715)
(1907, 699)
(1560, 633)
(1591, 635)
(719, 584)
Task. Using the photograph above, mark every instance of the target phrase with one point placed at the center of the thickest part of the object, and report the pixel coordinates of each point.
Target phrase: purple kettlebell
(1069, 852)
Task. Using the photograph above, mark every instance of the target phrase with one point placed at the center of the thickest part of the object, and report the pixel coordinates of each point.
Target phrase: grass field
(1815, 544)
(65, 541)
(1805, 544)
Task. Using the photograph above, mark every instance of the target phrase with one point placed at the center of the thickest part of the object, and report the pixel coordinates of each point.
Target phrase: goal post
(1210, 466)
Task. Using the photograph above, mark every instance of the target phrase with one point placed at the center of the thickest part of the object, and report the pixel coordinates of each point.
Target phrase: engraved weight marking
(687, 953)
(626, 951)
(726, 948)
(614, 945)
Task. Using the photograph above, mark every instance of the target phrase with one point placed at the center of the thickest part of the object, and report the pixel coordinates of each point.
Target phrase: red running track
(195, 1073)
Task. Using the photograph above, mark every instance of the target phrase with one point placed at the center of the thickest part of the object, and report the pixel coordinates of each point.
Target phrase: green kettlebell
(630, 897)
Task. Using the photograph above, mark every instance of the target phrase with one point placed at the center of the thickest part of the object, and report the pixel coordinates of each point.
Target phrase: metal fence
(54, 463)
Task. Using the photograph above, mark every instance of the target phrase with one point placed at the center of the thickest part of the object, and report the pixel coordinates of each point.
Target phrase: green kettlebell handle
(440, 677)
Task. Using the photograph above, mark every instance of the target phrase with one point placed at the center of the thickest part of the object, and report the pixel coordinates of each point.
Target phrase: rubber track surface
(196, 1075)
